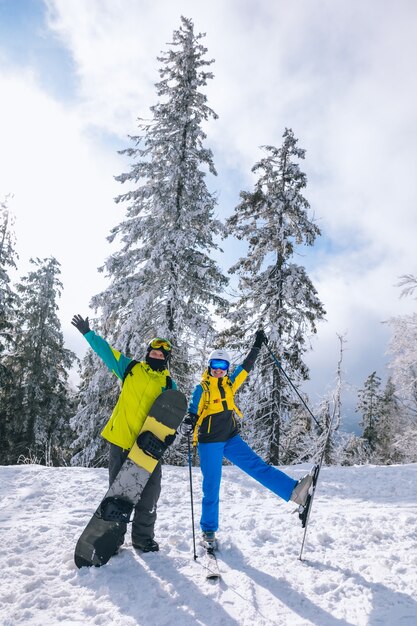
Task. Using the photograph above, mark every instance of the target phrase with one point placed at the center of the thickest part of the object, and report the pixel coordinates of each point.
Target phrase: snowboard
(100, 539)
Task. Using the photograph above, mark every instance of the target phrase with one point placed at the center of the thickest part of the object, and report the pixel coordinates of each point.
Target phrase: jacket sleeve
(114, 360)
(195, 400)
(250, 359)
(241, 372)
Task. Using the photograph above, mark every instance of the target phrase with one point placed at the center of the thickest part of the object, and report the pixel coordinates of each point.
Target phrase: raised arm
(113, 359)
(242, 371)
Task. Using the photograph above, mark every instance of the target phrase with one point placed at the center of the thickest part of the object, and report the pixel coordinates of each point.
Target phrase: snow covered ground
(360, 564)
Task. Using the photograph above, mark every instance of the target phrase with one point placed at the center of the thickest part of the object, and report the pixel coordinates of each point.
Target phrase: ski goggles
(159, 343)
(219, 364)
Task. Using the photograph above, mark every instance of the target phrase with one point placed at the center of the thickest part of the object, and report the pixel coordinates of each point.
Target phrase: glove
(260, 338)
(188, 424)
(80, 324)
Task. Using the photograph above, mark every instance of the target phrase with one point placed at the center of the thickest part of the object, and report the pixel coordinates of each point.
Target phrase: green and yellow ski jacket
(139, 391)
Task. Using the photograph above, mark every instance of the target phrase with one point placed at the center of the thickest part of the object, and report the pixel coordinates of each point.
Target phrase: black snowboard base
(99, 541)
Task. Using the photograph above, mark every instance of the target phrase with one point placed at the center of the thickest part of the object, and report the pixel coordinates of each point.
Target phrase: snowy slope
(360, 564)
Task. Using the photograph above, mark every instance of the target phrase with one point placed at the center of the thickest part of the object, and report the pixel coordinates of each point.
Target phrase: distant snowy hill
(360, 566)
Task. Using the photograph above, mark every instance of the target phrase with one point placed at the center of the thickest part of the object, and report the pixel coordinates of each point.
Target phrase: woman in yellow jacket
(142, 383)
(211, 417)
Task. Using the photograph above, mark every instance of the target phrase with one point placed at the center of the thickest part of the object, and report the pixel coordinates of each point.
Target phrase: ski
(209, 561)
(304, 511)
(211, 565)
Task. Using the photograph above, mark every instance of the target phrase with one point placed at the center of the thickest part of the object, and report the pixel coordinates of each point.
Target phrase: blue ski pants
(240, 454)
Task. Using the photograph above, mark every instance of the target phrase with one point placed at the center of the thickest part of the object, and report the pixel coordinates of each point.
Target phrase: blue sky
(74, 76)
(26, 41)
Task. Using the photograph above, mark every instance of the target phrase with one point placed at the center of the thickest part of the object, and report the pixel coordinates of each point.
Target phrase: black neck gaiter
(158, 365)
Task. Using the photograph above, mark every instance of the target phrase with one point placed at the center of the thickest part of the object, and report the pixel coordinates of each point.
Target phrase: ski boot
(208, 539)
(301, 490)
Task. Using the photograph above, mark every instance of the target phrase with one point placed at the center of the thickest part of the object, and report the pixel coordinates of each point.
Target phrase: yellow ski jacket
(213, 402)
(140, 389)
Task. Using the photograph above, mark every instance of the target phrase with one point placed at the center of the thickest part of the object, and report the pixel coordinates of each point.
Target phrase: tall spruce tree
(163, 281)
(369, 406)
(386, 425)
(392, 423)
(273, 291)
(8, 306)
(42, 402)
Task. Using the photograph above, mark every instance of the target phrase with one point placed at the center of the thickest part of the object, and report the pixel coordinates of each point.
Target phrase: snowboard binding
(151, 445)
(116, 510)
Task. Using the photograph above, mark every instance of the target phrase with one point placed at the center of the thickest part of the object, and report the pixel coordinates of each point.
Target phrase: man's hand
(81, 324)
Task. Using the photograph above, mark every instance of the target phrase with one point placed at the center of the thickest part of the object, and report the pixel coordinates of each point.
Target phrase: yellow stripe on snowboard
(137, 455)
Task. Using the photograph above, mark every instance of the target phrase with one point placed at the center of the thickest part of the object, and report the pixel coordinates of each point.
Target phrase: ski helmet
(219, 355)
(158, 343)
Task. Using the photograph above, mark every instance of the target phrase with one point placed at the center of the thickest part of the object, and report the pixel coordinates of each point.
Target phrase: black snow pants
(145, 510)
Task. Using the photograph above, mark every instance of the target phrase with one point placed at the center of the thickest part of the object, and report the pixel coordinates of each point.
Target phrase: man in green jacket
(142, 383)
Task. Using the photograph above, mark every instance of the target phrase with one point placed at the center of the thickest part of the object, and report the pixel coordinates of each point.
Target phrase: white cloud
(341, 74)
(62, 185)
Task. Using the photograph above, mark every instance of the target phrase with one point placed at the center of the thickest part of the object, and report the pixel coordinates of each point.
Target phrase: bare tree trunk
(276, 419)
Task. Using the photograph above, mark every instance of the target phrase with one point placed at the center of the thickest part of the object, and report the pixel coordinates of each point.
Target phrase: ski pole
(191, 493)
(279, 366)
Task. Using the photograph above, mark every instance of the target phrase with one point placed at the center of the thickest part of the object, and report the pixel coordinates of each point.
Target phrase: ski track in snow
(359, 567)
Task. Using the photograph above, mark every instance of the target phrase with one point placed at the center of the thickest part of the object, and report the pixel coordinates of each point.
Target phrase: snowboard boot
(301, 489)
(149, 545)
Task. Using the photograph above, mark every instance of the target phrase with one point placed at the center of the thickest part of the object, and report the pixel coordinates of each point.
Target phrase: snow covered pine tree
(163, 281)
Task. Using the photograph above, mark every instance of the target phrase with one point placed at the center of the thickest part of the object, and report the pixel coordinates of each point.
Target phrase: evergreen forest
(163, 279)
